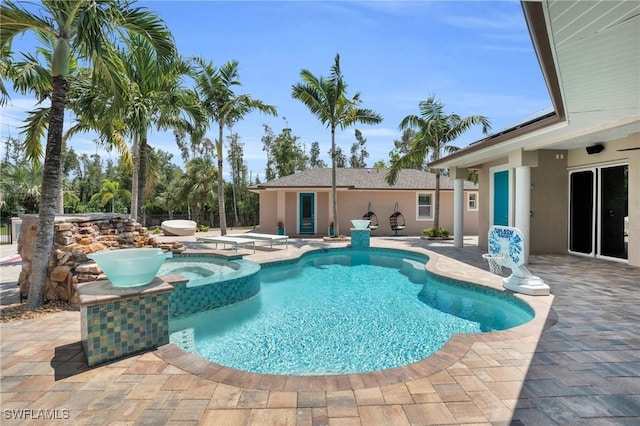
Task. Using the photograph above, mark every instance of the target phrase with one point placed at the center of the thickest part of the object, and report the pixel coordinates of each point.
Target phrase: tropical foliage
(215, 88)
(327, 99)
(434, 133)
(84, 28)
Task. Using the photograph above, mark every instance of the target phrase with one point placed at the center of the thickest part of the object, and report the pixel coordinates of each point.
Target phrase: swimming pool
(341, 311)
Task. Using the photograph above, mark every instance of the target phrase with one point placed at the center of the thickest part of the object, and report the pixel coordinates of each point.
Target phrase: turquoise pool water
(344, 311)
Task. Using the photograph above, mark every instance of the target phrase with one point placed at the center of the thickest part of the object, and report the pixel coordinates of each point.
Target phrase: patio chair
(396, 220)
(369, 215)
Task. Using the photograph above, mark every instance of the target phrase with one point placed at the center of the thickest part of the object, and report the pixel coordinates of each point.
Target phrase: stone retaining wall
(75, 236)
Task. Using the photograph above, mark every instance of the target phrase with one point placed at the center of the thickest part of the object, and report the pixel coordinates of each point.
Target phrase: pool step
(185, 340)
(414, 270)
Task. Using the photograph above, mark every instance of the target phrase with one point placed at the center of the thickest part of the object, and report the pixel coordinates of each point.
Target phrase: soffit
(595, 46)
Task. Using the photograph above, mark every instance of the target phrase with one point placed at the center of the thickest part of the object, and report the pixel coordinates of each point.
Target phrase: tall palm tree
(82, 29)
(225, 107)
(29, 76)
(109, 192)
(327, 100)
(435, 130)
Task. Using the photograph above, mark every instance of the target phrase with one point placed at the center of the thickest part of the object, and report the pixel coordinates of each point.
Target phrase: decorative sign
(507, 242)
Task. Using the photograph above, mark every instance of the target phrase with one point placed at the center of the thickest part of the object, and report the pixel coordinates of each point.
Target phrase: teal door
(501, 198)
(307, 208)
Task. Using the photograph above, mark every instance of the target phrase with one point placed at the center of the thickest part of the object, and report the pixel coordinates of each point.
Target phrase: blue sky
(476, 57)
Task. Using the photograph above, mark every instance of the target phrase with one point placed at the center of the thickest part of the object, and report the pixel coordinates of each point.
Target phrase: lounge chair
(178, 227)
(233, 241)
(270, 238)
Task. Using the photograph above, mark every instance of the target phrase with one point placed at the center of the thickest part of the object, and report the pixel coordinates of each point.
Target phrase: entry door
(307, 208)
(501, 198)
(613, 210)
(597, 212)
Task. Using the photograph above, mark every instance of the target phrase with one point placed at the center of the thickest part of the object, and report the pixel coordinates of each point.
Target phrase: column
(459, 175)
(458, 212)
(523, 206)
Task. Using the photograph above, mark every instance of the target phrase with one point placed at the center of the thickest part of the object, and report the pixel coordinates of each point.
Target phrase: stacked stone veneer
(75, 236)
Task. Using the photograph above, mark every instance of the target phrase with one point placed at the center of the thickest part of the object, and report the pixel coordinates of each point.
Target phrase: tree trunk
(436, 204)
(44, 236)
(142, 180)
(60, 197)
(223, 217)
(334, 193)
(134, 178)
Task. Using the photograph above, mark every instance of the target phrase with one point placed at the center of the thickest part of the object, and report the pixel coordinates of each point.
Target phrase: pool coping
(453, 351)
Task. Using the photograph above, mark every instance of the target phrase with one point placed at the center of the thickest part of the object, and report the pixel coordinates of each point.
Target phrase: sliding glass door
(597, 211)
(582, 214)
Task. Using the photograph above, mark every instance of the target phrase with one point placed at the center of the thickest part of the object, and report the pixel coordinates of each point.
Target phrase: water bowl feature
(130, 267)
(360, 223)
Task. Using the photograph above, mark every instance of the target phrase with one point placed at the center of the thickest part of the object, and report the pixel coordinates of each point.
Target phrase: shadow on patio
(586, 367)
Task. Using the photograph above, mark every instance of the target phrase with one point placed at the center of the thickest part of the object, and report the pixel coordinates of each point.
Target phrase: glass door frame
(594, 212)
(596, 243)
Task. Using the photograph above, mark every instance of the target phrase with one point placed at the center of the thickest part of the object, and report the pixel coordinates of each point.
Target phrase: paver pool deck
(577, 362)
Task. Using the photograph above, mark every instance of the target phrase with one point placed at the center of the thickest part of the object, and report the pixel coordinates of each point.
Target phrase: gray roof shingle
(362, 179)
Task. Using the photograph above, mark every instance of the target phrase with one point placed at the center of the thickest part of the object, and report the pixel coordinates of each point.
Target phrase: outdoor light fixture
(594, 149)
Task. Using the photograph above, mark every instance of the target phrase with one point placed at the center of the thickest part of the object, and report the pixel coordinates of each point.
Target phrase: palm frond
(34, 127)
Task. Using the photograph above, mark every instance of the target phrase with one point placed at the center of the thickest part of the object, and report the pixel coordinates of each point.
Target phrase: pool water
(344, 311)
(198, 270)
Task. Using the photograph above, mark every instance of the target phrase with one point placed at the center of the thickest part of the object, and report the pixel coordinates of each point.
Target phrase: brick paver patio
(577, 362)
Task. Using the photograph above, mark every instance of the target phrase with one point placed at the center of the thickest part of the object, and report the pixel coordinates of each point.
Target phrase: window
(472, 201)
(425, 202)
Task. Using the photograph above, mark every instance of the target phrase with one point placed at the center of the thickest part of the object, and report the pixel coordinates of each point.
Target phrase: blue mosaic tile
(186, 299)
(124, 327)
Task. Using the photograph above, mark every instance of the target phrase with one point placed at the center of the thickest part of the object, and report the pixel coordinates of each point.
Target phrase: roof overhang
(589, 53)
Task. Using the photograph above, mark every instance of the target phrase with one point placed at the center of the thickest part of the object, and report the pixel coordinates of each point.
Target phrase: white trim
(430, 217)
(469, 194)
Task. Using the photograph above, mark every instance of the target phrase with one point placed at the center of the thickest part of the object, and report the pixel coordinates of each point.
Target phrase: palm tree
(327, 100)
(109, 192)
(85, 28)
(198, 184)
(435, 130)
(222, 105)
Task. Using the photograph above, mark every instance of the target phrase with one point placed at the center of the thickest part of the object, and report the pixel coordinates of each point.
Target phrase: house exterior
(569, 177)
(304, 201)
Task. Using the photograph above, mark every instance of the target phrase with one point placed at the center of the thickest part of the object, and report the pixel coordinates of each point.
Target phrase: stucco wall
(354, 204)
(549, 203)
(268, 212)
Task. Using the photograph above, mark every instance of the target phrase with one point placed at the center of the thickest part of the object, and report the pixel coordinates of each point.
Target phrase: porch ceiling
(595, 50)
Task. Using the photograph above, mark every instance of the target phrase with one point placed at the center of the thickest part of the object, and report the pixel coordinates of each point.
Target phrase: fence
(243, 220)
(5, 230)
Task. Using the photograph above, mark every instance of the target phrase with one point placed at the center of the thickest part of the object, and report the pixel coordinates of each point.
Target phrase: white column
(523, 206)
(458, 212)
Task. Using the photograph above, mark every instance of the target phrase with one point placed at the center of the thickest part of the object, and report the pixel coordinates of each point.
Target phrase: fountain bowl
(130, 267)
(360, 223)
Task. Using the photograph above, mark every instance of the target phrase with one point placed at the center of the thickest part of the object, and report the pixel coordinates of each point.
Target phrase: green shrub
(439, 232)
(202, 228)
